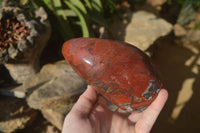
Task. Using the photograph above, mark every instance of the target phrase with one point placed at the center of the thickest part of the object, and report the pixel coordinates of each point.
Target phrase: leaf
(62, 18)
(57, 6)
(110, 5)
(79, 5)
(69, 13)
(84, 26)
(23, 2)
(186, 14)
(33, 4)
(47, 3)
(88, 4)
(96, 4)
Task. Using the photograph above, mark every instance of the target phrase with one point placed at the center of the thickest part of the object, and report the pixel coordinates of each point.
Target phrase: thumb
(86, 102)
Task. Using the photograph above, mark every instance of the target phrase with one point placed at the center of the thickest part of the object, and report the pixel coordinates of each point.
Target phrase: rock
(179, 30)
(56, 69)
(32, 83)
(57, 114)
(13, 91)
(57, 91)
(156, 3)
(120, 72)
(47, 73)
(15, 114)
(56, 96)
(145, 28)
(193, 35)
(20, 72)
(51, 129)
(40, 125)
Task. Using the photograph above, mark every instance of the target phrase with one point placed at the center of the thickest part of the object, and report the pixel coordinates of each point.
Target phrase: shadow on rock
(188, 120)
(171, 60)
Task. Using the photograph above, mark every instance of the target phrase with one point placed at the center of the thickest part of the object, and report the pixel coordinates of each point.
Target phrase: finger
(150, 115)
(135, 116)
(122, 112)
(85, 103)
(101, 104)
(102, 101)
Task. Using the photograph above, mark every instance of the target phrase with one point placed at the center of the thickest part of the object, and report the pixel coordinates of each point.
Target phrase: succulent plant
(23, 36)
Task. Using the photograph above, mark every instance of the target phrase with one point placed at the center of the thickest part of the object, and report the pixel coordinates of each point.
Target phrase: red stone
(120, 72)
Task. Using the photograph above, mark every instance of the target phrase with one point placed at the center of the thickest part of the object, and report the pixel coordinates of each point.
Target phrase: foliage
(109, 7)
(188, 10)
(185, 2)
(72, 17)
(0, 3)
(197, 26)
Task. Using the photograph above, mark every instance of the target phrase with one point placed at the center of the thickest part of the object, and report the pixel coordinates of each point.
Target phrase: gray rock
(55, 98)
(57, 91)
(13, 91)
(179, 30)
(27, 87)
(193, 35)
(144, 28)
(57, 114)
(15, 114)
(57, 69)
(53, 91)
(20, 72)
(48, 72)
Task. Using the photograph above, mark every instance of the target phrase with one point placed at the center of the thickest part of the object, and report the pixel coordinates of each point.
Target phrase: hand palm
(91, 115)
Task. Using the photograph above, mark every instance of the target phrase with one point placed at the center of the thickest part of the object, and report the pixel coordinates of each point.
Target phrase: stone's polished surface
(120, 72)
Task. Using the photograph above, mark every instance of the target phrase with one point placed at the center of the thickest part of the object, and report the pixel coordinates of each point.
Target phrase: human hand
(91, 115)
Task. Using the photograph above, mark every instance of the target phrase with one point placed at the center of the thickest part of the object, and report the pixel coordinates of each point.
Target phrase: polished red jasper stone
(120, 72)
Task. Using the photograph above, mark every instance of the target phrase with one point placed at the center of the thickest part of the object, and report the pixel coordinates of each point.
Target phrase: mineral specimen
(120, 72)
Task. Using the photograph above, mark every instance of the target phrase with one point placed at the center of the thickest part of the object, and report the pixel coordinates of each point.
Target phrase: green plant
(185, 2)
(197, 26)
(188, 10)
(0, 3)
(73, 16)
